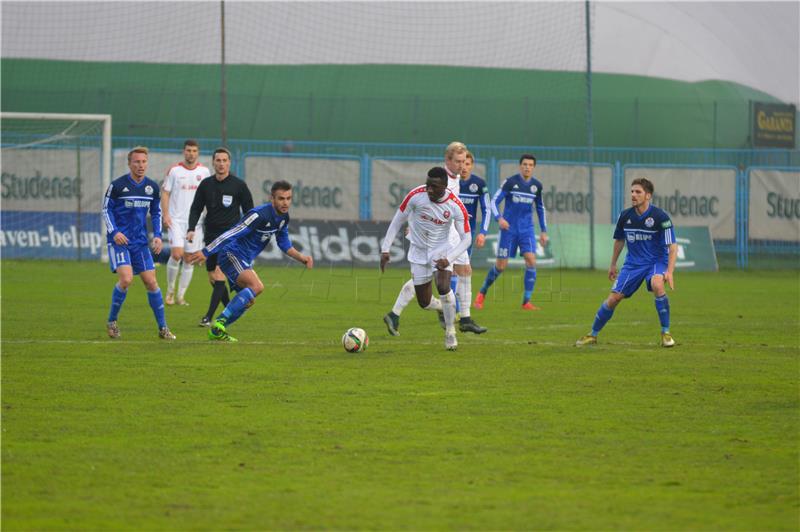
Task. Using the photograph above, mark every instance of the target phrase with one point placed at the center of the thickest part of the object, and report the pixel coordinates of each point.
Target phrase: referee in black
(225, 198)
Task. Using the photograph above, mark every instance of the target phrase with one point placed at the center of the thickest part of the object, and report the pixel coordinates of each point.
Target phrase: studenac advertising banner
(774, 205)
(693, 196)
(565, 192)
(321, 188)
(392, 179)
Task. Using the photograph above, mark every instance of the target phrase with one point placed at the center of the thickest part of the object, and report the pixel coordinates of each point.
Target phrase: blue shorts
(232, 266)
(630, 278)
(509, 242)
(137, 256)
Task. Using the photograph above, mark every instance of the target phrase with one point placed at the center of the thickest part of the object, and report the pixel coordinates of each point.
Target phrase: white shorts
(423, 273)
(177, 236)
(454, 239)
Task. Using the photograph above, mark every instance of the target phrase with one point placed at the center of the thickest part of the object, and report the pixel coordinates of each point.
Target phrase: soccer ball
(355, 340)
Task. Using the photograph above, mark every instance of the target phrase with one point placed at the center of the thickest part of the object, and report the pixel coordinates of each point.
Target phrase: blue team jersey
(251, 235)
(473, 192)
(125, 209)
(647, 236)
(520, 197)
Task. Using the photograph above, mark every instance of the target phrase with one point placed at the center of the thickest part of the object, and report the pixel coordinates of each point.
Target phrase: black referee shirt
(225, 202)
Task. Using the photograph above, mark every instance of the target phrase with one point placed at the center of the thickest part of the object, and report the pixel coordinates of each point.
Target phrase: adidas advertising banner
(158, 163)
(42, 179)
(566, 191)
(568, 247)
(392, 179)
(349, 244)
(692, 196)
(323, 189)
(774, 205)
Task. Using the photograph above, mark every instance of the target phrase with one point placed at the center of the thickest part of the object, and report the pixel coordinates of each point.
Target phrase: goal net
(55, 168)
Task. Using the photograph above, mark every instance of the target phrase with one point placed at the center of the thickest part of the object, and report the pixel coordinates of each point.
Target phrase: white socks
(464, 294)
(449, 309)
(405, 296)
(172, 274)
(186, 278)
(435, 304)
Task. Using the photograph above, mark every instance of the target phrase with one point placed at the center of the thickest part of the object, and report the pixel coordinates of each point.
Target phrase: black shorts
(211, 261)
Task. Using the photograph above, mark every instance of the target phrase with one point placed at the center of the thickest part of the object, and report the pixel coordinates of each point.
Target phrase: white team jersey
(453, 182)
(182, 183)
(429, 227)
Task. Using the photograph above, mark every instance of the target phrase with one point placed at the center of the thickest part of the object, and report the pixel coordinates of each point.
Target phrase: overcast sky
(753, 43)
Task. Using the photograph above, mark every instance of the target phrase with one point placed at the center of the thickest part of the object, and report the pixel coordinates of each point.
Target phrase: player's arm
(198, 203)
(165, 191)
(498, 198)
(155, 218)
(400, 217)
(109, 202)
(669, 240)
(540, 213)
(285, 245)
(247, 199)
(673, 257)
(612, 269)
(485, 219)
(461, 223)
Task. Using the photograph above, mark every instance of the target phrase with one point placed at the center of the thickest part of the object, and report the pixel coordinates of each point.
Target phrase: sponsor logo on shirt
(434, 220)
(132, 204)
(667, 224)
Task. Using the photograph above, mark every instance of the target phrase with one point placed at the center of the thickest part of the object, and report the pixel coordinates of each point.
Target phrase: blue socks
(453, 285)
(237, 306)
(529, 283)
(662, 306)
(491, 277)
(117, 299)
(157, 304)
(601, 318)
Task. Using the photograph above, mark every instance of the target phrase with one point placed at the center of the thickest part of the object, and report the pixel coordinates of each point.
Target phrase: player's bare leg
(529, 281)
(124, 280)
(464, 297)
(173, 268)
(156, 303)
(498, 268)
(662, 307)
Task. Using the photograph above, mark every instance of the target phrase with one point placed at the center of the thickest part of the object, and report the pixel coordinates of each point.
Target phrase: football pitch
(515, 430)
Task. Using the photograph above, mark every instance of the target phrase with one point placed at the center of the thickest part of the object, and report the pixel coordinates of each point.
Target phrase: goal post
(55, 170)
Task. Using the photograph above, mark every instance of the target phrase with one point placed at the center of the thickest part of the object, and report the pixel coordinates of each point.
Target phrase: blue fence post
(492, 177)
(617, 191)
(365, 185)
(746, 218)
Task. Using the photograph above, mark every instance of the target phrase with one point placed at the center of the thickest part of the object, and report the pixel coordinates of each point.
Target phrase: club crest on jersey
(148, 190)
(227, 201)
(446, 214)
(198, 177)
(473, 187)
(534, 189)
(649, 222)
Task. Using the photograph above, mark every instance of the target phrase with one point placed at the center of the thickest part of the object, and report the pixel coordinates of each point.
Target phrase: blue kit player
(521, 192)
(127, 202)
(238, 247)
(652, 252)
(473, 193)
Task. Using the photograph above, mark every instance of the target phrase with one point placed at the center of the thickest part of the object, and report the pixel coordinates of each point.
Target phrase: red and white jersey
(429, 225)
(453, 181)
(182, 183)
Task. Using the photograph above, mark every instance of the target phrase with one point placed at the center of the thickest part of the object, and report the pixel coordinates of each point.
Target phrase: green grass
(285, 430)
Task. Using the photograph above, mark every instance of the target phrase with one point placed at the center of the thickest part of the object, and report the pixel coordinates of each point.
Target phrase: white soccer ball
(355, 340)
